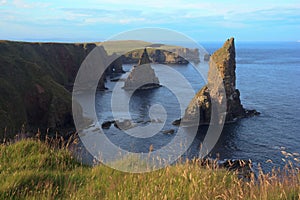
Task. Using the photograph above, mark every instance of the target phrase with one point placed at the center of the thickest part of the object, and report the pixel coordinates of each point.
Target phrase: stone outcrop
(142, 76)
(220, 90)
(167, 57)
(144, 58)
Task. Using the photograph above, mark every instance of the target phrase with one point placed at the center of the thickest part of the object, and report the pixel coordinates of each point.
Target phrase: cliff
(220, 89)
(35, 84)
(163, 55)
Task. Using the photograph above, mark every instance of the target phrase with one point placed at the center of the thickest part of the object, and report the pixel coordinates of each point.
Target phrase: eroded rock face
(199, 108)
(220, 90)
(142, 76)
(164, 56)
(223, 60)
(115, 66)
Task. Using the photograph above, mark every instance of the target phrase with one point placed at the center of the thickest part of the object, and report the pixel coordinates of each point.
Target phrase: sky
(98, 20)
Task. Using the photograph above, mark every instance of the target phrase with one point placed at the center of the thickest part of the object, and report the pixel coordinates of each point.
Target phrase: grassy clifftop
(34, 170)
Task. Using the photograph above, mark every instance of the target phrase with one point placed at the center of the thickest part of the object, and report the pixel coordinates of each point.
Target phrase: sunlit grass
(31, 169)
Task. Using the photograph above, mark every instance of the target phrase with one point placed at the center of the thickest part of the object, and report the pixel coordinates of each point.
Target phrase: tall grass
(31, 169)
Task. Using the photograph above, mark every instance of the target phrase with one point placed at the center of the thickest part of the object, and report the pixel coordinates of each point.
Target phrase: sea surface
(268, 77)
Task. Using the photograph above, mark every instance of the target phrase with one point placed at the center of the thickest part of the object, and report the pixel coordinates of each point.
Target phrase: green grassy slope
(34, 170)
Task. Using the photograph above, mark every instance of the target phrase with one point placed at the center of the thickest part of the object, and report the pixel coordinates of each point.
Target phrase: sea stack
(220, 90)
(142, 75)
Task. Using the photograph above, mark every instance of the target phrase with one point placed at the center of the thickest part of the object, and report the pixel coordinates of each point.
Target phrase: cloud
(24, 4)
(131, 20)
(117, 15)
(273, 17)
(108, 20)
(3, 2)
(229, 14)
(97, 16)
(20, 4)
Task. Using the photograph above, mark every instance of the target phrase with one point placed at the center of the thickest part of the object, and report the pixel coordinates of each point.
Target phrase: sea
(268, 78)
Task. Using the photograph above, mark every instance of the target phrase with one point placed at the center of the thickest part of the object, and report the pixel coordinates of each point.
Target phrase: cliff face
(221, 73)
(36, 82)
(164, 56)
(224, 61)
(115, 66)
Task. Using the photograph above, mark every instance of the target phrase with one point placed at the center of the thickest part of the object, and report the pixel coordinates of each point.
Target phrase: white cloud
(21, 4)
(131, 20)
(3, 2)
(229, 14)
(180, 14)
(24, 4)
(110, 20)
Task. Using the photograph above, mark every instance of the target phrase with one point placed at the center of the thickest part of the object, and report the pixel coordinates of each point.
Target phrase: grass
(123, 46)
(31, 169)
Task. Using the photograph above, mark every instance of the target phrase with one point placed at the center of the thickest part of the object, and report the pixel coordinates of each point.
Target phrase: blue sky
(94, 20)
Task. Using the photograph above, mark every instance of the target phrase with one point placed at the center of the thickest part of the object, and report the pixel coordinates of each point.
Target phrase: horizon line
(64, 40)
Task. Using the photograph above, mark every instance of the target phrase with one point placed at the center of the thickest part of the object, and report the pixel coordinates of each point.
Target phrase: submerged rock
(107, 124)
(124, 125)
(251, 113)
(142, 76)
(170, 131)
(176, 122)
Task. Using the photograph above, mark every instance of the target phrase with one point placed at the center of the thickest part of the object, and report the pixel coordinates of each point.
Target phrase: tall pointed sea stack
(144, 58)
(142, 76)
(220, 90)
(223, 60)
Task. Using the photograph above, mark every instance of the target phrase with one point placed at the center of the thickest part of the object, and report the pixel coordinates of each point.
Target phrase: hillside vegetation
(34, 83)
(31, 169)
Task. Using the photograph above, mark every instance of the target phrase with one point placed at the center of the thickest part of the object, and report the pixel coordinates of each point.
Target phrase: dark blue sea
(268, 77)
